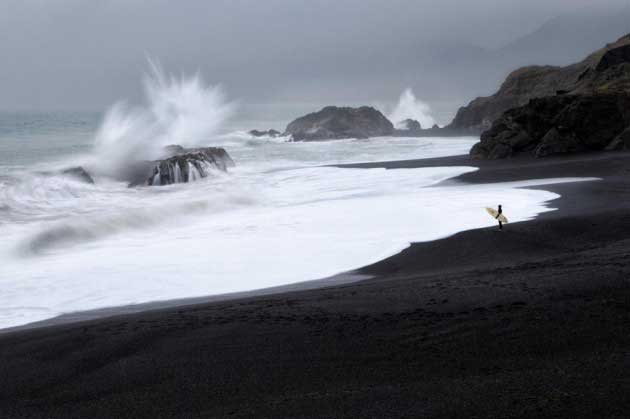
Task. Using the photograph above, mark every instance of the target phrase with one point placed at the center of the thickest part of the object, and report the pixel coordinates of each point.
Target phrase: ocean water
(282, 215)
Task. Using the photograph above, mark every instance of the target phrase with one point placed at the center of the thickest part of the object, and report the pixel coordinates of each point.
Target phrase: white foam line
(309, 224)
(546, 182)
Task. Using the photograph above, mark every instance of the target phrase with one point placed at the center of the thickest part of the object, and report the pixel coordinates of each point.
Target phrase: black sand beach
(530, 322)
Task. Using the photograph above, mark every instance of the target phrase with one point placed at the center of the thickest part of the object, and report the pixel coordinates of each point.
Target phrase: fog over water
(72, 54)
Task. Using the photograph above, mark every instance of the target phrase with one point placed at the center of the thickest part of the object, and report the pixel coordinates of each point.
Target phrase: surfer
(497, 215)
(499, 211)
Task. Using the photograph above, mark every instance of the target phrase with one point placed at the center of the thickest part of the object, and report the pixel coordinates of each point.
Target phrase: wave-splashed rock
(78, 173)
(410, 125)
(559, 125)
(335, 123)
(185, 165)
(269, 133)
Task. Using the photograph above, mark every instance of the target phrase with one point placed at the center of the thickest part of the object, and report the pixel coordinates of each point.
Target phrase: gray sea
(283, 215)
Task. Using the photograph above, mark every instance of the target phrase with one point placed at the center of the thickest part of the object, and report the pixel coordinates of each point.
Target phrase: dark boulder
(181, 166)
(78, 173)
(409, 125)
(334, 123)
(269, 133)
(558, 125)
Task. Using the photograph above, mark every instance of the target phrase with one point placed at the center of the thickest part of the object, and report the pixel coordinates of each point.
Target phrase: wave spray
(184, 111)
(409, 107)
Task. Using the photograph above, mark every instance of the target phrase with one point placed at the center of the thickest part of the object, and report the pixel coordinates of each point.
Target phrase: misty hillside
(568, 38)
(473, 71)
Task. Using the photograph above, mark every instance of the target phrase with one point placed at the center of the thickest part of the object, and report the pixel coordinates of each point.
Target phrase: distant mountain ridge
(567, 38)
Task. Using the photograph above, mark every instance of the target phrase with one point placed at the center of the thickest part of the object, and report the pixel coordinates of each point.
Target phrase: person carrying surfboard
(498, 217)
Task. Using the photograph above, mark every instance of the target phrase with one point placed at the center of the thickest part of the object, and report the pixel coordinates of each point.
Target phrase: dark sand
(530, 322)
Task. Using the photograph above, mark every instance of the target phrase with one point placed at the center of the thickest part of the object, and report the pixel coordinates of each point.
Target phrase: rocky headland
(543, 111)
(559, 125)
(604, 71)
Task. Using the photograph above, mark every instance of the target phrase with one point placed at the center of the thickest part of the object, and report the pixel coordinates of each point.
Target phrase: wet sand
(529, 322)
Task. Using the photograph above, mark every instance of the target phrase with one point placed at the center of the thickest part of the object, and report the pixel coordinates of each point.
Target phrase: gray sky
(78, 54)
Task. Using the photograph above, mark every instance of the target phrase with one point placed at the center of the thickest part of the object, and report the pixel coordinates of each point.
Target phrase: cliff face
(559, 125)
(606, 70)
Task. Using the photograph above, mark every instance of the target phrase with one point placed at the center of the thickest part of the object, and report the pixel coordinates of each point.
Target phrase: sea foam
(301, 224)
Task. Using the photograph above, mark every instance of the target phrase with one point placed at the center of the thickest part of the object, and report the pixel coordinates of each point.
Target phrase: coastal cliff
(606, 70)
(543, 111)
(559, 125)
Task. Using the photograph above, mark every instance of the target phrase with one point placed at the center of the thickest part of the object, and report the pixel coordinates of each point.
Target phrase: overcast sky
(78, 54)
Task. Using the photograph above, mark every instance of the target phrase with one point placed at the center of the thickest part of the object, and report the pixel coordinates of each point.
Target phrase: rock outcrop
(607, 70)
(269, 133)
(410, 125)
(621, 142)
(559, 125)
(78, 173)
(335, 123)
(182, 165)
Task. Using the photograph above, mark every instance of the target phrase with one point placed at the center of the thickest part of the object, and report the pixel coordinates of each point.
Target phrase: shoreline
(130, 309)
(341, 278)
(519, 323)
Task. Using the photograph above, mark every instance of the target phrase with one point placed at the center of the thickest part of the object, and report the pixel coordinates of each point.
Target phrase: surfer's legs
(500, 225)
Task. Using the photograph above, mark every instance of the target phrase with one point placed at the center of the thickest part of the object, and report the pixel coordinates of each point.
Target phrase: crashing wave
(184, 109)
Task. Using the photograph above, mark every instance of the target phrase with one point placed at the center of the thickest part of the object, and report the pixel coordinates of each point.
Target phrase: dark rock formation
(189, 165)
(614, 57)
(334, 123)
(621, 142)
(607, 70)
(78, 173)
(409, 125)
(182, 165)
(269, 133)
(559, 125)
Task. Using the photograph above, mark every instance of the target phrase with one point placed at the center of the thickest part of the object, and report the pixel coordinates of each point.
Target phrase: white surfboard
(495, 214)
